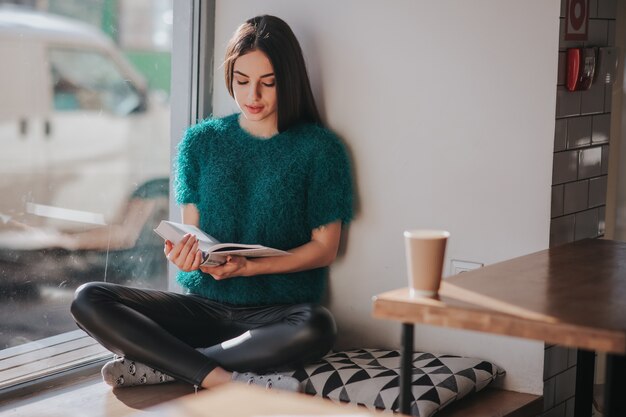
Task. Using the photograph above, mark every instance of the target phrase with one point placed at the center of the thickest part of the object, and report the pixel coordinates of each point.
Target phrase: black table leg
(585, 368)
(615, 388)
(406, 368)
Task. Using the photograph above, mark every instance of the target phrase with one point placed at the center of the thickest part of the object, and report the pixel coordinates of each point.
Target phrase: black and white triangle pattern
(370, 377)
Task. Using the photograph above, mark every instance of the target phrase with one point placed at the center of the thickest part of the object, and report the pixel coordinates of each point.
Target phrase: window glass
(87, 80)
(84, 166)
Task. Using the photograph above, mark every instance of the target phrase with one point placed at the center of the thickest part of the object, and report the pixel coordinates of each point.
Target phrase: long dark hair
(274, 37)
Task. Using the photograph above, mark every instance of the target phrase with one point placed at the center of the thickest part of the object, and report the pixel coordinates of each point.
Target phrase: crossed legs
(197, 340)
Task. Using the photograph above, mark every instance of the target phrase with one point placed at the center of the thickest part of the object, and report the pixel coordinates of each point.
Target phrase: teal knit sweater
(272, 191)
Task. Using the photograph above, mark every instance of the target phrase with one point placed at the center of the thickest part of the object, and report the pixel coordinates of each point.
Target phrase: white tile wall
(548, 394)
(575, 197)
(562, 230)
(601, 128)
(562, 69)
(601, 220)
(557, 411)
(569, 407)
(605, 160)
(578, 132)
(565, 385)
(560, 135)
(587, 224)
(608, 99)
(557, 200)
(572, 357)
(592, 100)
(567, 102)
(597, 32)
(597, 191)
(565, 167)
(589, 162)
(606, 9)
(579, 178)
(555, 361)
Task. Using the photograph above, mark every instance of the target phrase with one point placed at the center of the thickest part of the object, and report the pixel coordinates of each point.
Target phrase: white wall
(448, 109)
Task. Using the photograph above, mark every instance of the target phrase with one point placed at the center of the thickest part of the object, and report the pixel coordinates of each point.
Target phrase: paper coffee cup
(425, 252)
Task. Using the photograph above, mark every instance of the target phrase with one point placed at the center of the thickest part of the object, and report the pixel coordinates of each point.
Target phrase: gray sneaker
(121, 372)
(269, 381)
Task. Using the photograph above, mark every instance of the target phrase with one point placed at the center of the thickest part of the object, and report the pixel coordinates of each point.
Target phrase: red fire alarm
(581, 67)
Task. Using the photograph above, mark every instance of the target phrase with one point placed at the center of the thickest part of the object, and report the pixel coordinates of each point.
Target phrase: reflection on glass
(87, 80)
(84, 158)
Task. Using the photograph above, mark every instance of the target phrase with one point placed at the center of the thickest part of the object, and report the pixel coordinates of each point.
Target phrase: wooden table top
(572, 295)
(239, 400)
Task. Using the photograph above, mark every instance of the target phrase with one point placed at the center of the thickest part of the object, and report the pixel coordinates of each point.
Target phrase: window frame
(191, 100)
(193, 45)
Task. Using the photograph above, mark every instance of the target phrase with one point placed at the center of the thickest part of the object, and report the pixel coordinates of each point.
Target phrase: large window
(86, 80)
(84, 166)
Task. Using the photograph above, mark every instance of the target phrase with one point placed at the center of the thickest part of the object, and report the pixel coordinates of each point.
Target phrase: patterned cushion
(370, 377)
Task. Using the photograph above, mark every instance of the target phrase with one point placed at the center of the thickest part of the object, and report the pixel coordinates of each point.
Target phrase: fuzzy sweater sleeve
(329, 194)
(187, 169)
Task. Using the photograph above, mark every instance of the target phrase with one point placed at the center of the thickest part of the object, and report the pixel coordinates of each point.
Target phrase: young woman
(270, 175)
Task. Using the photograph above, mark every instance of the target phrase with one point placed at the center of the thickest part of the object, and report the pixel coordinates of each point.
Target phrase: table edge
(427, 311)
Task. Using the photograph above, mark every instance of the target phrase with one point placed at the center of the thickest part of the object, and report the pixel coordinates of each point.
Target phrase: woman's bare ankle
(216, 377)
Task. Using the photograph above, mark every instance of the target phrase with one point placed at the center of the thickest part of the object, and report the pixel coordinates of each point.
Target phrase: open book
(213, 251)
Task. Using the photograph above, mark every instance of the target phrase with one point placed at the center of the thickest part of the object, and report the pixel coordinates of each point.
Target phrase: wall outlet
(458, 266)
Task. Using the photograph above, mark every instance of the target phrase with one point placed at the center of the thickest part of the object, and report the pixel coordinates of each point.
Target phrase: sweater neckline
(250, 135)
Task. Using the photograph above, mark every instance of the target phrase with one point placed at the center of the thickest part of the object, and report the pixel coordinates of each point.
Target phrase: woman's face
(254, 87)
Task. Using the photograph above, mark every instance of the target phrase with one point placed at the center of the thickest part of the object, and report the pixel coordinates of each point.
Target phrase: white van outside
(78, 131)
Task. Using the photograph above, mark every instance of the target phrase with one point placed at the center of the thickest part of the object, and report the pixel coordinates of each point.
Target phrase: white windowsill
(52, 355)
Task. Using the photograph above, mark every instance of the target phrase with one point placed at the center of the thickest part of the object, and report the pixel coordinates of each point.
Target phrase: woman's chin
(255, 117)
(252, 117)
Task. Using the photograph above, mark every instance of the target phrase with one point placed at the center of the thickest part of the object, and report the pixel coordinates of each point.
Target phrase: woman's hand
(234, 266)
(185, 254)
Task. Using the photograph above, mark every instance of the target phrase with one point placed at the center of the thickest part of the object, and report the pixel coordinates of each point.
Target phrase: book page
(188, 228)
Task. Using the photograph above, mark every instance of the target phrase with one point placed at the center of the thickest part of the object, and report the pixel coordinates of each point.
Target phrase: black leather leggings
(187, 336)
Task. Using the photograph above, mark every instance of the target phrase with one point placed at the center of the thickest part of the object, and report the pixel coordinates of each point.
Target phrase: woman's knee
(86, 298)
(318, 326)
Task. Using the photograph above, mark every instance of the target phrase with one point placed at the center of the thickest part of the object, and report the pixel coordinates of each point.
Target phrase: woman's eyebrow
(271, 74)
